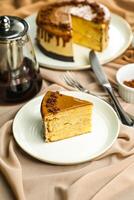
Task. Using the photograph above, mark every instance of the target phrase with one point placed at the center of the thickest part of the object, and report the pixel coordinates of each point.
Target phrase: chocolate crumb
(51, 103)
(94, 6)
(51, 100)
(50, 109)
(53, 110)
(45, 16)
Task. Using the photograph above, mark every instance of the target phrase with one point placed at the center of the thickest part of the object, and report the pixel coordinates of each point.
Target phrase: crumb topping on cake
(51, 14)
(55, 102)
(51, 103)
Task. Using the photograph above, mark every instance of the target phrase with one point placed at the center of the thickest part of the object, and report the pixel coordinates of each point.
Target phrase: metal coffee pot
(20, 79)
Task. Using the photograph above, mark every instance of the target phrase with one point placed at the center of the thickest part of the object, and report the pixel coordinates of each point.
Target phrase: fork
(71, 81)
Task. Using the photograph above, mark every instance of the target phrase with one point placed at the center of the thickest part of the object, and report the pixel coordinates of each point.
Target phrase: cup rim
(119, 72)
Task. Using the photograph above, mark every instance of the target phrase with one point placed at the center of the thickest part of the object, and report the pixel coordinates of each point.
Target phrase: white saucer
(28, 133)
(120, 38)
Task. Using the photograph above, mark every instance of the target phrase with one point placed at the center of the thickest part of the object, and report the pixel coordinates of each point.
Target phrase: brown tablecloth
(108, 177)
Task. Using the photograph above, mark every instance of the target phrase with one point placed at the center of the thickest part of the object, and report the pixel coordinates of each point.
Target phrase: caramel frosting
(54, 102)
(58, 13)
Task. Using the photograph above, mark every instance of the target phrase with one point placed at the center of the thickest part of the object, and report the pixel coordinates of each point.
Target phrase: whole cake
(62, 23)
(65, 116)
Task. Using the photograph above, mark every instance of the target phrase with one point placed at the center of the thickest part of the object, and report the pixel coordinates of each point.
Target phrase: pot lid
(12, 28)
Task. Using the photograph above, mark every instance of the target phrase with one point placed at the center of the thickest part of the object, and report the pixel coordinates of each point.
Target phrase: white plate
(120, 38)
(27, 130)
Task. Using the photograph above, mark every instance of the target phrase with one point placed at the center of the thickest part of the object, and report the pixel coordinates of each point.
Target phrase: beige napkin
(108, 177)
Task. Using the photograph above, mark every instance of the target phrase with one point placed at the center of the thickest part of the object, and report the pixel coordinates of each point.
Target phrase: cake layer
(68, 124)
(55, 55)
(89, 34)
(59, 46)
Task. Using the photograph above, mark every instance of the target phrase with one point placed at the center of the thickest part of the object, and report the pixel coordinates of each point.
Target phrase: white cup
(126, 73)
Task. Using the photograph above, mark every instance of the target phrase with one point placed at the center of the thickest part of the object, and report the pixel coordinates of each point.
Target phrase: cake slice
(65, 116)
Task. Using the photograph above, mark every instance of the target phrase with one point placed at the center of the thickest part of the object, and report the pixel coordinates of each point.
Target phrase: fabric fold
(9, 163)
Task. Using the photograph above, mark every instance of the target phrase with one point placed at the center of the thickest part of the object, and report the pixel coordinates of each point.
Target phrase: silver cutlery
(71, 81)
(101, 76)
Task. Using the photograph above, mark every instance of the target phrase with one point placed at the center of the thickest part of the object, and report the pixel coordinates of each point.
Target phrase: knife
(101, 76)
